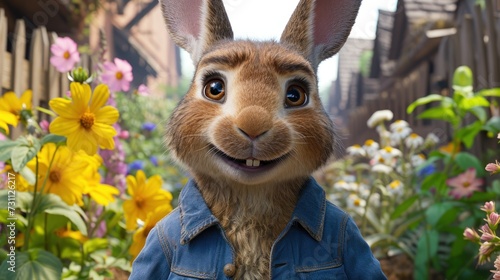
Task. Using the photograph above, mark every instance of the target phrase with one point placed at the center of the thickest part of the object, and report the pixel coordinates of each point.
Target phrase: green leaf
(480, 113)
(6, 147)
(436, 211)
(475, 101)
(52, 138)
(35, 264)
(493, 125)
(426, 249)
(422, 101)
(28, 175)
(463, 77)
(53, 204)
(466, 160)
(22, 200)
(439, 113)
(403, 207)
(495, 92)
(436, 180)
(468, 134)
(95, 244)
(46, 111)
(26, 149)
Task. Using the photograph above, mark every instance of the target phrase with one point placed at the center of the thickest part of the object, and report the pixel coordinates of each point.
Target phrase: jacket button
(229, 270)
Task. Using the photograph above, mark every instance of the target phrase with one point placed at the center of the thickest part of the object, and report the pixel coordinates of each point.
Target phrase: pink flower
(471, 235)
(485, 252)
(64, 54)
(124, 134)
(117, 75)
(493, 219)
(489, 207)
(44, 125)
(143, 90)
(464, 184)
(496, 272)
(493, 168)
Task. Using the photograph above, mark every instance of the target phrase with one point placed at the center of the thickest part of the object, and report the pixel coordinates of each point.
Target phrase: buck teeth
(253, 162)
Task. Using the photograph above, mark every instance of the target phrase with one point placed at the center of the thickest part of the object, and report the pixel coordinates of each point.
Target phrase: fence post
(18, 54)
(3, 45)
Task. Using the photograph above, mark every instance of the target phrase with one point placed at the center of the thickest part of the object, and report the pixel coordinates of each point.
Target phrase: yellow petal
(63, 126)
(103, 130)
(131, 185)
(83, 140)
(26, 99)
(8, 118)
(81, 97)
(5, 127)
(106, 143)
(103, 194)
(10, 102)
(99, 98)
(63, 108)
(141, 179)
(107, 115)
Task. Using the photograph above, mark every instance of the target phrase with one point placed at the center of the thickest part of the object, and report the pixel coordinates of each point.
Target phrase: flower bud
(489, 207)
(493, 168)
(80, 75)
(471, 235)
(493, 219)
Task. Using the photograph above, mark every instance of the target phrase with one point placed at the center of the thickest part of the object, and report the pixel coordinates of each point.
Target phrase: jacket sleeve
(358, 259)
(153, 262)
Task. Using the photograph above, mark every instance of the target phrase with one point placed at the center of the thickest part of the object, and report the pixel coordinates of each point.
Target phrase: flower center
(139, 203)
(466, 184)
(55, 176)
(119, 75)
(66, 55)
(87, 120)
(357, 202)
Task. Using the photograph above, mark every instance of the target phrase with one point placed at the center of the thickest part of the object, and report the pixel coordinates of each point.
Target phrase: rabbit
(250, 131)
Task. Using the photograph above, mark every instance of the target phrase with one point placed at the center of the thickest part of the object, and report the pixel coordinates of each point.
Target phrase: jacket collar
(196, 216)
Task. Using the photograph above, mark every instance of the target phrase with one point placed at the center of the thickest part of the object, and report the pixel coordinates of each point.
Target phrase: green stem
(30, 214)
(46, 234)
(96, 226)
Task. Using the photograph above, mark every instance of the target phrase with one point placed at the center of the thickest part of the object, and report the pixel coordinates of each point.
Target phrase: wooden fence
(475, 42)
(20, 71)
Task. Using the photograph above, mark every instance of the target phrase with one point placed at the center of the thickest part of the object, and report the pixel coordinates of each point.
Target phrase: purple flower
(148, 126)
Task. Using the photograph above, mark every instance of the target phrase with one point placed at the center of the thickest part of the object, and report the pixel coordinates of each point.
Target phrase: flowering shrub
(68, 206)
(411, 196)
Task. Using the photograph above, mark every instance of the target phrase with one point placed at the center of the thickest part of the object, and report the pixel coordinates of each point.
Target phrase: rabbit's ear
(195, 25)
(319, 28)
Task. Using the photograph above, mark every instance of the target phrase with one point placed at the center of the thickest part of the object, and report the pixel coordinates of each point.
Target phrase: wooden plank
(480, 49)
(53, 77)
(36, 69)
(18, 53)
(491, 46)
(3, 47)
(466, 43)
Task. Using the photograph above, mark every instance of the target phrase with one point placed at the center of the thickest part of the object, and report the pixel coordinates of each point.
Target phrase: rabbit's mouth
(249, 164)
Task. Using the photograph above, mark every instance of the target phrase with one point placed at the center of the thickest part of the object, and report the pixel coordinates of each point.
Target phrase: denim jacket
(319, 242)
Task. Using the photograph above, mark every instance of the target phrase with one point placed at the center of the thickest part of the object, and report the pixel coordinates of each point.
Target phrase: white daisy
(431, 140)
(381, 168)
(379, 117)
(356, 150)
(354, 201)
(387, 156)
(414, 141)
(371, 147)
(395, 187)
(417, 160)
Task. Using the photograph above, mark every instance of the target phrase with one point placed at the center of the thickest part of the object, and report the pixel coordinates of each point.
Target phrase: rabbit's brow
(281, 64)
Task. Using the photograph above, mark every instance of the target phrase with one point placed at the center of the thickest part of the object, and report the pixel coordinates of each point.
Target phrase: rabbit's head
(252, 115)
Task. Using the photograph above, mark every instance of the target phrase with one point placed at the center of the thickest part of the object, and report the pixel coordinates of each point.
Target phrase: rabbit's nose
(253, 122)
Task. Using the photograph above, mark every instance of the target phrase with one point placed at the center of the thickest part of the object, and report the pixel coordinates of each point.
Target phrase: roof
(380, 65)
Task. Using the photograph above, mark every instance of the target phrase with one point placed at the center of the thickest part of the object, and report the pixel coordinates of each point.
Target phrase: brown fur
(252, 121)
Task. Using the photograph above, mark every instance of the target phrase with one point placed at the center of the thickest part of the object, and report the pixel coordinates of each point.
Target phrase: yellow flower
(100, 193)
(6, 119)
(84, 120)
(139, 238)
(66, 177)
(10, 103)
(20, 184)
(146, 196)
(74, 234)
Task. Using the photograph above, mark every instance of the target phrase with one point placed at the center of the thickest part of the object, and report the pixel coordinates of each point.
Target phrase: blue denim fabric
(320, 242)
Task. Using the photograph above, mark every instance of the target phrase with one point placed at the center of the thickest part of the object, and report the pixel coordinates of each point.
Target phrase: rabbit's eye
(214, 90)
(295, 96)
